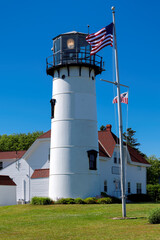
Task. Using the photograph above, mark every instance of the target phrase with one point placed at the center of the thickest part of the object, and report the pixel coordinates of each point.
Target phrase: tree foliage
(16, 142)
(102, 128)
(153, 191)
(129, 137)
(153, 172)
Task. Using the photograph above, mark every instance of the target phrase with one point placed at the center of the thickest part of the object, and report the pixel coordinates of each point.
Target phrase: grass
(77, 222)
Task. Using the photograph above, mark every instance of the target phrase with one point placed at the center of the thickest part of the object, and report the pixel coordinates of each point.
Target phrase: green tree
(16, 142)
(129, 137)
(153, 172)
(102, 128)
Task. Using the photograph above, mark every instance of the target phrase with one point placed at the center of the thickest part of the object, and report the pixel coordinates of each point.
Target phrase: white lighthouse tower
(74, 162)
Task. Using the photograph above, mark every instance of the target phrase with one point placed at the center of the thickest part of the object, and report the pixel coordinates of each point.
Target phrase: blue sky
(27, 29)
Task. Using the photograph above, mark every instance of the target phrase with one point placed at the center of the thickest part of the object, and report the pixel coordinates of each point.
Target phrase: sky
(27, 29)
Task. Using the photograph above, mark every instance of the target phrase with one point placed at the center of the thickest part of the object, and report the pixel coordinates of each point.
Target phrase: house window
(49, 155)
(129, 187)
(139, 168)
(92, 155)
(52, 101)
(105, 186)
(1, 165)
(139, 188)
(115, 157)
(119, 160)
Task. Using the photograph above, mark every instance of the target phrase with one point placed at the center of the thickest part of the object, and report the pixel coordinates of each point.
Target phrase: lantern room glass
(72, 49)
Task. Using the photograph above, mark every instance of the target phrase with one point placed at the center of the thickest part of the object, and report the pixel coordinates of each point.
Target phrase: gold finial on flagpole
(113, 9)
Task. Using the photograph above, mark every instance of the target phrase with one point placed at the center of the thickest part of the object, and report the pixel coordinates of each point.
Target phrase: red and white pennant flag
(124, 98)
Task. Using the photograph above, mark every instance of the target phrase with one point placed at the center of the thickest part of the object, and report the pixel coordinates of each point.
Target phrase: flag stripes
(123, 97)
(101, 39)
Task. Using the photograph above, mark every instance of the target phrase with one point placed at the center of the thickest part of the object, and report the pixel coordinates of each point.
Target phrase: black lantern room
(72, 49)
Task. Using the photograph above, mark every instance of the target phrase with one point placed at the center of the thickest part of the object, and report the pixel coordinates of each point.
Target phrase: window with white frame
(118, 160)
(105, 186)
(115, 157)
(139, 188)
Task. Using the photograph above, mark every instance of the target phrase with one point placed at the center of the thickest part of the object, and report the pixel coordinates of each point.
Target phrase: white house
(40, 183)
(30, 172)
(7, 191)
(24, 163)
(109, 157)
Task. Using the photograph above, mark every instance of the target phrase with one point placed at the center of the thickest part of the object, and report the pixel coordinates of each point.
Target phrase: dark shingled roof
(6, 180)
(102, 151)
(107, 143)
(45, 135)
(108, 140)
(12, 154)
(40, 173)
(136, 156)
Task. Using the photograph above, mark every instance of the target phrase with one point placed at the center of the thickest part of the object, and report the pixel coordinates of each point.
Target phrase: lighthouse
(74, 161)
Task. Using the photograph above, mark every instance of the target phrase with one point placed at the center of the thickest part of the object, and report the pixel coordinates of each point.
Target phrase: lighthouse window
(53, 101)
(56, 47)
(92, 155)
(92, 162)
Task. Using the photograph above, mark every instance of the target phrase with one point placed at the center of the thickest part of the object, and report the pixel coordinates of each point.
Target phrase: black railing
(73, 58)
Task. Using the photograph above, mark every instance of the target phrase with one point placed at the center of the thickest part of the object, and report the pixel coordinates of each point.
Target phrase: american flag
(124, 98)
(100, 39)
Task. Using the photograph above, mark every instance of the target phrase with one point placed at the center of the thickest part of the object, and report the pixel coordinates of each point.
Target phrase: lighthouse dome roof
(68, 33)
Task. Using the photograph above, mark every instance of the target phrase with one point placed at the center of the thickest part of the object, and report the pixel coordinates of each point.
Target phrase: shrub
(153, 192)
(41, 201)
(106, 200)
(138, 198)
(103, 194)
(66, 201)
(114, 199)
(90, 200)
(79, 201)
(154, 216)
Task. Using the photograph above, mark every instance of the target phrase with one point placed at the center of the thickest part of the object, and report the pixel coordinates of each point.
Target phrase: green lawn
(77, 222)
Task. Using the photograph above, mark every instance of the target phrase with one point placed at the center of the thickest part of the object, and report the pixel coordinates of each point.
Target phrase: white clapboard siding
(39, 187)
(7, 195)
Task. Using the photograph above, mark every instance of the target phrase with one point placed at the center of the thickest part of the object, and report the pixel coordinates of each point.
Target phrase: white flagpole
(120, 123)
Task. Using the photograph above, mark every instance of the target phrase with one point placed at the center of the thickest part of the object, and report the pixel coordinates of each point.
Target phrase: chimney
(108, 127)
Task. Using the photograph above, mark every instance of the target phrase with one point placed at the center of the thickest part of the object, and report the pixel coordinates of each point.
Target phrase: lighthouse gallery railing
(73, 58)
